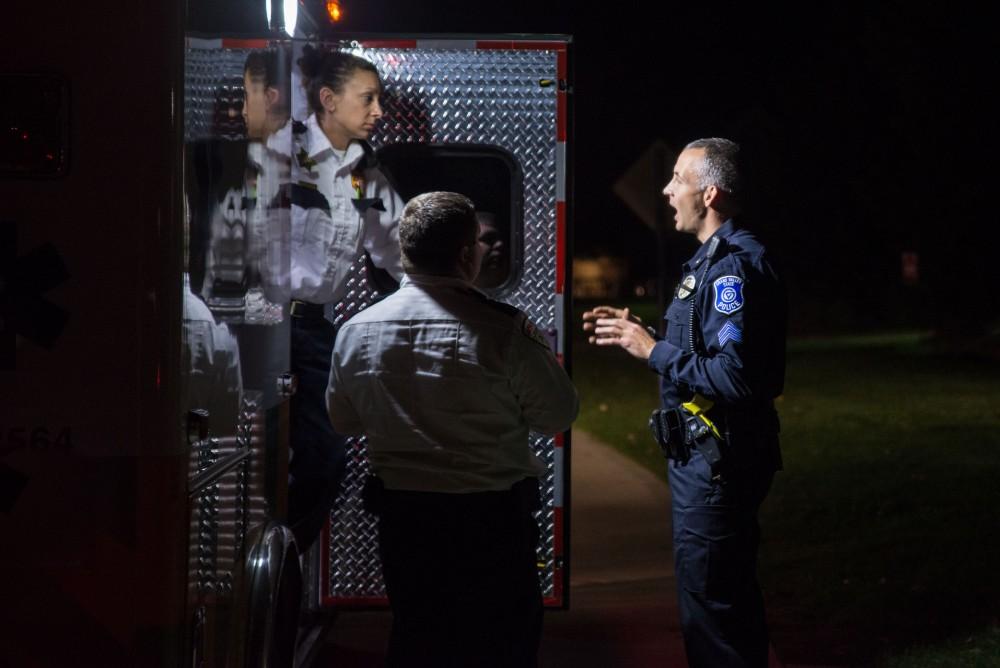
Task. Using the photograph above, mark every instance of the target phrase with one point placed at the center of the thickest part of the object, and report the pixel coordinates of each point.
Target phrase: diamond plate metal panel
(486, 97)
(227, 502)
(439, 96)
(444, 96)
(213, 94)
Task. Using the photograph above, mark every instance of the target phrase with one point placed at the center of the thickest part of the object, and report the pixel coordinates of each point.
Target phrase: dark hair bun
(311, 62)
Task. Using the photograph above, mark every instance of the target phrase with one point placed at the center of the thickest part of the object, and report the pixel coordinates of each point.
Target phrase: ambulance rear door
(486, 116)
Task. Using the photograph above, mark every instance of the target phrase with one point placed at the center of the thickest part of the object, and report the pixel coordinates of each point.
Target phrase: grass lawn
(881, 539)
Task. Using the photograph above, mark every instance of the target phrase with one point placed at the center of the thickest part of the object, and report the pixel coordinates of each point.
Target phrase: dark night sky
(865, 134)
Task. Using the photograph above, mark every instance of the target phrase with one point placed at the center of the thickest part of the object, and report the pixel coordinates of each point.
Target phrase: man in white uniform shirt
(210, 356)
(446, 384)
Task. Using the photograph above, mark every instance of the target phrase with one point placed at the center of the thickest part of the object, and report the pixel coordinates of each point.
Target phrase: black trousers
(716, 536)
(461, 575)
(319, 455)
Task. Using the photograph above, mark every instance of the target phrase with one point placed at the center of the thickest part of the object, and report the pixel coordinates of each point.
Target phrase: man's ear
(467, 262)
(711, 197)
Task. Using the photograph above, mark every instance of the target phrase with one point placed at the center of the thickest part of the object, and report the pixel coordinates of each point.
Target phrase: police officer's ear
(711, 197)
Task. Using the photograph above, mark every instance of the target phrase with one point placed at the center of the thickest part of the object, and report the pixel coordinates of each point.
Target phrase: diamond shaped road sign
(641, 186)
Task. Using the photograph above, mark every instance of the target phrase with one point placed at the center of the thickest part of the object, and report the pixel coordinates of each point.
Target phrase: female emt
(342, 208)
(267, 113)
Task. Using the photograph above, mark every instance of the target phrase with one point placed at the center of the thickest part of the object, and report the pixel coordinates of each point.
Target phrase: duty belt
(301, 309)
(680, 430)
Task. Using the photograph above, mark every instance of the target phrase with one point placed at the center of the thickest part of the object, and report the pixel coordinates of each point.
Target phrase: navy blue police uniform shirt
(725, 332)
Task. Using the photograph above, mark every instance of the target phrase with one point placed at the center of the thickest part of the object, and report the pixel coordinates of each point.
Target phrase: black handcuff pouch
(677, 431)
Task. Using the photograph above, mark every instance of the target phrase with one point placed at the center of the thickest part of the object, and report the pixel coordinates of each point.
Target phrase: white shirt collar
(431, 280)
(278, 143)
(281, 141)
(318, 143)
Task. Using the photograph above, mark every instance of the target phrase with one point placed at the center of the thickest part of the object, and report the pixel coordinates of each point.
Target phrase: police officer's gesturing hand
(611, 326)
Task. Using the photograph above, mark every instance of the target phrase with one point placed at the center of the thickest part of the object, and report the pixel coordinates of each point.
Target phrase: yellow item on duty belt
(698, 406)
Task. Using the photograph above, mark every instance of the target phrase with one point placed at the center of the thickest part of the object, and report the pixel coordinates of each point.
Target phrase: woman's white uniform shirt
(269, 217)
(329, 231)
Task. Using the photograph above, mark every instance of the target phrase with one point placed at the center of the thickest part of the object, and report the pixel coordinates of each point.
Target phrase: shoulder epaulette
(512, 311)
(720, 247)
(520, 318)
(309, 197)
(505, 308)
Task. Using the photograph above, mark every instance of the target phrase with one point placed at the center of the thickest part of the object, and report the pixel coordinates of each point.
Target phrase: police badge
(686, 286)
(728, 294)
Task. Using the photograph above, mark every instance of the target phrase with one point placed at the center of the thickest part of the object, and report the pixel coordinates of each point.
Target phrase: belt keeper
(301, 309)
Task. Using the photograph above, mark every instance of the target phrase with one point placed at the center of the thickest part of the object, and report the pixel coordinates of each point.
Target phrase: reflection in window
(495, 238)
(489, 176)
(237, 155)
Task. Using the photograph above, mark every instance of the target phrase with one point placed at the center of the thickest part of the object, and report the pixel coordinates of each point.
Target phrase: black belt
(300, 309)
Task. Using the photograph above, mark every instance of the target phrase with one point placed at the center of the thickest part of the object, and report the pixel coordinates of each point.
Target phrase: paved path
(622, 610)
(622, 600)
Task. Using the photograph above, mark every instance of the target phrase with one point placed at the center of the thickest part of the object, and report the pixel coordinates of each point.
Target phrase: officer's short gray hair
(434, 228)
(719, 167)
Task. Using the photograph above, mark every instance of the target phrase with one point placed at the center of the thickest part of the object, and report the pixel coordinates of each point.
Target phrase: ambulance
(144, 346)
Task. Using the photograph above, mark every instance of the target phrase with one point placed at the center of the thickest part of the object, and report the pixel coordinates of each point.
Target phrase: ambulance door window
(488, 175)
(34, 126)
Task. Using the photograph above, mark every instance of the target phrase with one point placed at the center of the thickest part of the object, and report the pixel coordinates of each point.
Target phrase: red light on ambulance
(334, 11)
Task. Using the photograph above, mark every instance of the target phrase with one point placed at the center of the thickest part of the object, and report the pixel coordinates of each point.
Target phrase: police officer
(723, 354)
(446, 384)
(343, 207)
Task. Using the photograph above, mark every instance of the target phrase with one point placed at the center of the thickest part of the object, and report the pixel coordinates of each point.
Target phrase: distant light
(334, 11)
(911, 267)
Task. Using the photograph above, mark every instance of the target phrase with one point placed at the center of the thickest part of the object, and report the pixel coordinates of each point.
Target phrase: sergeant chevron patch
(729, 332)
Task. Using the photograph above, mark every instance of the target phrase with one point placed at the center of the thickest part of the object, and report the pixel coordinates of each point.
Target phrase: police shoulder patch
(529, 329)
(728, 294)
